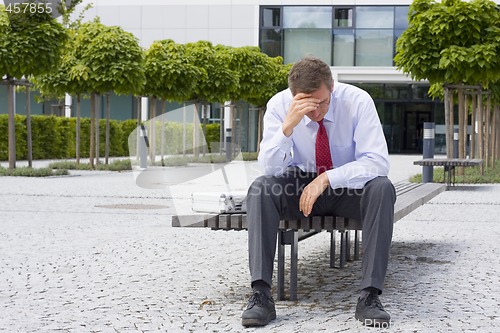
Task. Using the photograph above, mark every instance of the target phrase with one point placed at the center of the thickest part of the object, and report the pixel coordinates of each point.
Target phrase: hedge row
(55, 137)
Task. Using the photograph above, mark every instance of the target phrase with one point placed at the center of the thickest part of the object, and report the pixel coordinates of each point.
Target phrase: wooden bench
(409, 197)
(449, 165)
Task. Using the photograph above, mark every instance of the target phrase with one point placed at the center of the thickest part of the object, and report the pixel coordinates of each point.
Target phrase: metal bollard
(229, 147)
(428, 151)
(143, 148)
(455, 143)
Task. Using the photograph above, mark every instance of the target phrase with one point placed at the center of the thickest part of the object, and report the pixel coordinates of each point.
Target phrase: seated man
(323, 153)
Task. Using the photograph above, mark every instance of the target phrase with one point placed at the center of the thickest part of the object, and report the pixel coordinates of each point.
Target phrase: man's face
(323, 94)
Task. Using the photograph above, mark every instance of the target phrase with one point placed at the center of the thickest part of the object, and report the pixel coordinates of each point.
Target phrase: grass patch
(250, 156)
(472, 175)
(32, 172)
(209, 158)
(117, 165)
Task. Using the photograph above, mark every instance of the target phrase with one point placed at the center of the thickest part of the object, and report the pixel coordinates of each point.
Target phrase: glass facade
(341, 36)
(357, 36)
(403, 108)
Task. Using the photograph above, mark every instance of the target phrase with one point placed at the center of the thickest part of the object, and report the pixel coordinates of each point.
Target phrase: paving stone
(91, 253)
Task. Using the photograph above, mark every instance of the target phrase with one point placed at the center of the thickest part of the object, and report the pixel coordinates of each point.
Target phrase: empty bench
(409, 197)
(449, 165)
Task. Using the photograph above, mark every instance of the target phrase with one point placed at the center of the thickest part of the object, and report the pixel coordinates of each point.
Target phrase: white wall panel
(130, 17)
(197, 17)
(219, 17)
(174, 17)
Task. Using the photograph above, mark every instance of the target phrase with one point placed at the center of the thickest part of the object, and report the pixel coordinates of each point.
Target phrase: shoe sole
(250, 322)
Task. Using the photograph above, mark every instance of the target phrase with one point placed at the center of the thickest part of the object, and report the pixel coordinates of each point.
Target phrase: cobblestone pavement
(93, 252)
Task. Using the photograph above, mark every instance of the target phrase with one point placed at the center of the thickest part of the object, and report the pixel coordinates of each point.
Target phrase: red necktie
(323, 156)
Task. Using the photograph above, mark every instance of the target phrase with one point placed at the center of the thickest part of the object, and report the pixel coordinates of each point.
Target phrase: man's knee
(264, 186)
(382, 187)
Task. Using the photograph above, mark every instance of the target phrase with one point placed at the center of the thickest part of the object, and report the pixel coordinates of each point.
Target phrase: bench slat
(409, 197)
(408, 202)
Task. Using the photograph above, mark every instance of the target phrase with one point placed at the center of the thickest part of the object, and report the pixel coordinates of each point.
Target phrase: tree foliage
(220, 82)
(30, 43)
(171, 73)
(257, 73)
(452, 41)
(111, 58)
(97, 58)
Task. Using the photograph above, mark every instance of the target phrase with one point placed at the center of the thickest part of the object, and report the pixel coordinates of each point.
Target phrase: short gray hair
(308, 74)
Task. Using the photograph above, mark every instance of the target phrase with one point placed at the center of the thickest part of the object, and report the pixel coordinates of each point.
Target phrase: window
(340, 35)
(343, 17)
(271, 17)
(307, 17)
(304, 42)
(401, 17)
(307, 31)
(343, 48)
(270, 42)
(374, 47)
(374, 17)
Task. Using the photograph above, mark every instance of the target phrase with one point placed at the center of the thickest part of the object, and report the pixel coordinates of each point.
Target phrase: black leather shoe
(370, 312)
(260, 310)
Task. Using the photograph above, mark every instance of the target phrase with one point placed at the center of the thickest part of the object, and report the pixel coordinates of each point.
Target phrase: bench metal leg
(333, 235)
(356, 245)
(281, 266)
(289, 237)
(294, 259)
(343, 248)
(348, 245)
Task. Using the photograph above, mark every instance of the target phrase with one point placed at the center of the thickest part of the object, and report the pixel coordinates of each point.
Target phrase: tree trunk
(139, 121)
(462, 123)
(204, 111)
(196, 139)
(480, 132)
(108, 115)
(92, 130)
(152, 130)
(162, 130)
(259, 128)
(494, 130)
(184, 134)
(78, 126)
(451, 125)
(97, 129)
(473, 138)
(12, 124)
(28, 126)
(487, 136)
(495, 133)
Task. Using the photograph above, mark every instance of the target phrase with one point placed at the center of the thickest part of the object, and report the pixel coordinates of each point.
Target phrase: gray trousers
(273, 198)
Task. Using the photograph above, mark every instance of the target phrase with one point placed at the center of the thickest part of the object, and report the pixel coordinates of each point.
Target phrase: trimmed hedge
(55, 137)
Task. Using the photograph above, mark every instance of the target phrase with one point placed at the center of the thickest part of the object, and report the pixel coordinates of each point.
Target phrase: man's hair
(308, 74)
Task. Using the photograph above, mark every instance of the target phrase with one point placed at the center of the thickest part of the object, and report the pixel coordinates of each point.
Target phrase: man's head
(311, 78)
(308, 75)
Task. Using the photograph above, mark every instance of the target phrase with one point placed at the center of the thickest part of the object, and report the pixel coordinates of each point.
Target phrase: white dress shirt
(357, 142)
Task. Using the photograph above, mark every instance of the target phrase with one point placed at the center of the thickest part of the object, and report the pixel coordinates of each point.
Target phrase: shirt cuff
(282, 141)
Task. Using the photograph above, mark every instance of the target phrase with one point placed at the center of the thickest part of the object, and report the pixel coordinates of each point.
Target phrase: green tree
(455, 44)
(117, 63)
(104, 59)
(260, 76)
(220, 82)
(170, 76)
(72, 75)
(30, 44)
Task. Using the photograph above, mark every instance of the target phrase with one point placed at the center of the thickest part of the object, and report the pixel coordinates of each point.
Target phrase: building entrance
(414, 130)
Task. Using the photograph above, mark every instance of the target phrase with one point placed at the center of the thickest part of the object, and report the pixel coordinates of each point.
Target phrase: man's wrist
(287, 130)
